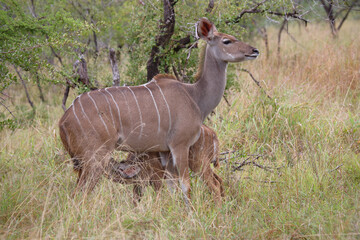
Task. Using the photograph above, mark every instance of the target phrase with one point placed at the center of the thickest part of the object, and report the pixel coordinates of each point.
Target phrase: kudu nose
(255, 51)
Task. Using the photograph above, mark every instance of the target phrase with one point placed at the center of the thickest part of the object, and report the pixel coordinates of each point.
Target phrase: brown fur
(164, 76)
(201, 155)
(161, 116)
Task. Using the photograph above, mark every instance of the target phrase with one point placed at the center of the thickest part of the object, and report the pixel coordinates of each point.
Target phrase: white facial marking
(157, 110)
(167, 105)
(127, 105)
(137, 104)
(117, 107)
(99, 113)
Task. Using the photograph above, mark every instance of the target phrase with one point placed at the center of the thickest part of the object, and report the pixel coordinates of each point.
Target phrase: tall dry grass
(307, 135)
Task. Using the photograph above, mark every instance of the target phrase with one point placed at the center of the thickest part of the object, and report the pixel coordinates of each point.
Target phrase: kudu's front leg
(180, 158)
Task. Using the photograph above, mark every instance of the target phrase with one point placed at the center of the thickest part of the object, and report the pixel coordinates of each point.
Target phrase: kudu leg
(214, 183)
(220, 182)
(137, 193)
(91, 172)
(181, 161)
(171, 174)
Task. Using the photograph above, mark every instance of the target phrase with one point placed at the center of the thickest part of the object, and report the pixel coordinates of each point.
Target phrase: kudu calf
(159, 116)
(149, 170)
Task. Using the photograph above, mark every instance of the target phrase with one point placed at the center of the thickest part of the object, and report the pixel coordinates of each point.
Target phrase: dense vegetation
(306, 137)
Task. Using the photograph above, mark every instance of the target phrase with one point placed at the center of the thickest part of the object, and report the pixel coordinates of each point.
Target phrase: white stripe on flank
(117, 107)
(98, 113)
(77, 119)
(167, 105)
(157, 110)
(127, 104)
(72, 103)
(137, 104)
(112, 116)
(82, 109)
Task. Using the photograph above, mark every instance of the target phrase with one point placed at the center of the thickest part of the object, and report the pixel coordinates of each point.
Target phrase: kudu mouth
(255, 53)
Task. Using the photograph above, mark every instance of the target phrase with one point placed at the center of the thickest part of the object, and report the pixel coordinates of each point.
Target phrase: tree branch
(25, 88)
(256, 9)
(346, 15)
(256, 81)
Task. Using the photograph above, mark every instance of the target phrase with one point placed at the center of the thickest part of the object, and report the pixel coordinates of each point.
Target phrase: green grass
(308, 135)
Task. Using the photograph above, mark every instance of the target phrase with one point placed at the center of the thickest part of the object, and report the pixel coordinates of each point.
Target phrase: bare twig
(252, 162)
(256, 9)
(347, 14)
(25, 88)
(262, 31)
(256, 81)
(279, 36)
(39, 87)
(252, 10)
(7, 109)
(336, 168)
(226, 100)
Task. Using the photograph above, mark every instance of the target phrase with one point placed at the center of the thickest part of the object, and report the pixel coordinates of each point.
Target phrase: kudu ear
(206, 29)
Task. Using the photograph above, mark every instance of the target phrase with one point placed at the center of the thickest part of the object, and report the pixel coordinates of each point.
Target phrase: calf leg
(220, 183)
(137, 193)
(210, 180)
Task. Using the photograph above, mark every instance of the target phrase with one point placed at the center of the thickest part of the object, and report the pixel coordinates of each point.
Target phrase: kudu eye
(226, 41)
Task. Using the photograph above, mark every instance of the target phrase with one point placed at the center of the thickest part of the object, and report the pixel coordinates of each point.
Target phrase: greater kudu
(161, 115)
(145, 169)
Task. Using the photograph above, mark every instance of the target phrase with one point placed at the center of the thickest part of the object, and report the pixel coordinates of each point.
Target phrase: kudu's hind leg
(93, 167)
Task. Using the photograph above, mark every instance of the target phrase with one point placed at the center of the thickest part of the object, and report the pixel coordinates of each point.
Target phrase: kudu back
(159, 116)
(149, 170)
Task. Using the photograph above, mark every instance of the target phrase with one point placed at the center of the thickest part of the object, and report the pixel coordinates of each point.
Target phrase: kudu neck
(210, 86)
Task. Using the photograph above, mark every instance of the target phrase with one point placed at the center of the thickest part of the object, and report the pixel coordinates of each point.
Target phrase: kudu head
(225, 47)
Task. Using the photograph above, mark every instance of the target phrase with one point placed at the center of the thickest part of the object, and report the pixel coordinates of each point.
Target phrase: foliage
(144, 27)
(24, 38)
(308, 137)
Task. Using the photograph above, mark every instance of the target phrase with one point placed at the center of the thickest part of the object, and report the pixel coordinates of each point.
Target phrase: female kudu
(160, 116)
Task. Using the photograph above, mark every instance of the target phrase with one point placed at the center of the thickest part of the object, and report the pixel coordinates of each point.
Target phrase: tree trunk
(114, 67)
(167, 27)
